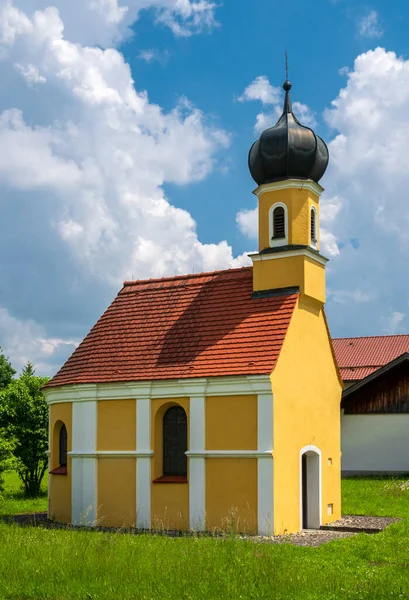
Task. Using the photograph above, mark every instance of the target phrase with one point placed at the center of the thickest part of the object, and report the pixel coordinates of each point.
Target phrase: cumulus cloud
(25, 340)
(369, 26)
(393, 322)
(84, 156)
(261, 89)
(107, 22)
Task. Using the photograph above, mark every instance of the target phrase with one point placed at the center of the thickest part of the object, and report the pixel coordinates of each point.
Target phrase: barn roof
(360, 356)
(203, 325)
(376, 375)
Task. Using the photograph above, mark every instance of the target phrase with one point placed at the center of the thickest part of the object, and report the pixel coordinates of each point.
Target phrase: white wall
(377, 442)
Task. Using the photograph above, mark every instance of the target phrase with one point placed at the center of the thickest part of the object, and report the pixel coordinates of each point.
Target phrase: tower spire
(287, 87)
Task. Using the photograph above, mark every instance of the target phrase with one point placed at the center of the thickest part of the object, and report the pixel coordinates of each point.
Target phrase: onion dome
(288, 150)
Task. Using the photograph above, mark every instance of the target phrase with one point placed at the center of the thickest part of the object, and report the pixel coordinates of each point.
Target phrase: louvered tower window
(175, 442)
(63, 446)
(278, 223)
(313, 226)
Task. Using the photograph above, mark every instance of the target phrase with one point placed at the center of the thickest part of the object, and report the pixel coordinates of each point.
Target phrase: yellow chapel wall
(306, 412)
(59, 503)
(116, 479)
(231, 483)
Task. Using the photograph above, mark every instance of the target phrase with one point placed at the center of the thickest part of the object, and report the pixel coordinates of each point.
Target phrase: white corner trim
(172, 388)
(288, 254)
(229, 453)
(272, 242)
(197, 467)
(286, 184)
(84, 464)
(143, 463)
(311, 448)
(265, 469)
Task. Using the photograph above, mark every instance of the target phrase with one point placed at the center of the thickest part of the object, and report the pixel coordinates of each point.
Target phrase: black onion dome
(288, 150)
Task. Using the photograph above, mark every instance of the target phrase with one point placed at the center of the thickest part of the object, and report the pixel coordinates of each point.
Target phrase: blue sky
(124, 132)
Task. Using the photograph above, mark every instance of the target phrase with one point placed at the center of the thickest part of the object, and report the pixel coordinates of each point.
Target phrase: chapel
(211, 401)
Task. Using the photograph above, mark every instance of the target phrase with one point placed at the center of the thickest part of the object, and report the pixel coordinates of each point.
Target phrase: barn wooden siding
(388, 394)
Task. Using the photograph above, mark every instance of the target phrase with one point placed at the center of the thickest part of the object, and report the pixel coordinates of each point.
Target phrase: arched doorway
(310, 480)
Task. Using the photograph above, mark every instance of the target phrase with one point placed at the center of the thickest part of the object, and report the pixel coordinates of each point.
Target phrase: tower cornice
(285, 184)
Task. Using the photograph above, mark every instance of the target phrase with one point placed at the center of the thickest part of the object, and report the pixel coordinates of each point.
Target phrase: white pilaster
(143, 463)
(197, 472)
(265, 464)
(84, 470)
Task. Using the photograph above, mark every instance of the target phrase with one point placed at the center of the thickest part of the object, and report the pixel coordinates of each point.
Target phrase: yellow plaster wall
(169, 501)
(170, 506)
(59, 494)
(116, 504)
(231, 422)
(306, 412)
(288, 272)
(299, 202)
(116, 429)
(231, 494)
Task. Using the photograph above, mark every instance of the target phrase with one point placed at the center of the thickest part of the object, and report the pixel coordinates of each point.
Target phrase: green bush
(24, 419)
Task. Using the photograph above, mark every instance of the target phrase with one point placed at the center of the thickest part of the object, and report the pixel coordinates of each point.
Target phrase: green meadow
(58, 564)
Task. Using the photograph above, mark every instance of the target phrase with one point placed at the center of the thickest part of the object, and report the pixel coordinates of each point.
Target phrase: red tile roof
(359, 357)
(201, 325)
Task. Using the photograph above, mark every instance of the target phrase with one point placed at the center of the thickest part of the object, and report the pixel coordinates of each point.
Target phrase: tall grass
(66, 564)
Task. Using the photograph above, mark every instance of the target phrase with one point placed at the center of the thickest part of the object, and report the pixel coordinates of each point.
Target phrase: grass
(64, 564)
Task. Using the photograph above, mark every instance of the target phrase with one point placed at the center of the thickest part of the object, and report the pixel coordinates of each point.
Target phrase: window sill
(59, 471)
(171, 479)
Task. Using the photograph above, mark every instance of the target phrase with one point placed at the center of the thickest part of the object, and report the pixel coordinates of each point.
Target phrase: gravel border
(348, 526)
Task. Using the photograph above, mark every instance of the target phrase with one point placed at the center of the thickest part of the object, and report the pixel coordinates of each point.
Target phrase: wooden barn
(375, 404)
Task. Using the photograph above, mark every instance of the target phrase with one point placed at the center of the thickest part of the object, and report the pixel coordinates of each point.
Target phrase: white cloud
(83, 160)
(24, 340)
(154, 55)
(247, 222)
(393, 323)
(107, 22)
(369, 26)
(261, 89)
(350, 296)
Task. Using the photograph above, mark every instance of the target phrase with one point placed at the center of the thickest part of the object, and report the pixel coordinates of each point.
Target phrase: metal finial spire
(287, 87)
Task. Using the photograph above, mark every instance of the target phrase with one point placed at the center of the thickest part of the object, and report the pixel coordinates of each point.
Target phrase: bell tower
(286, 162)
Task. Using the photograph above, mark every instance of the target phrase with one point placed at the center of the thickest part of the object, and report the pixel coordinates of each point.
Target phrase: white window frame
(280, 241)
(314, 244)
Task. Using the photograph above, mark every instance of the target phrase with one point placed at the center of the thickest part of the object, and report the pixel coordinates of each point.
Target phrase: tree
(24, 418)
(6, 456)
(6, 371)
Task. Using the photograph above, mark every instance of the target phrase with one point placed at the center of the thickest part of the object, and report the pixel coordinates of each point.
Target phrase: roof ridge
(366, 337)
(186, 276)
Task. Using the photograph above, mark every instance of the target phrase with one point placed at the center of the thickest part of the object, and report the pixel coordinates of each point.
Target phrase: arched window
(63, 446)
(313, 227)
(278, 223)
(175, 442)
